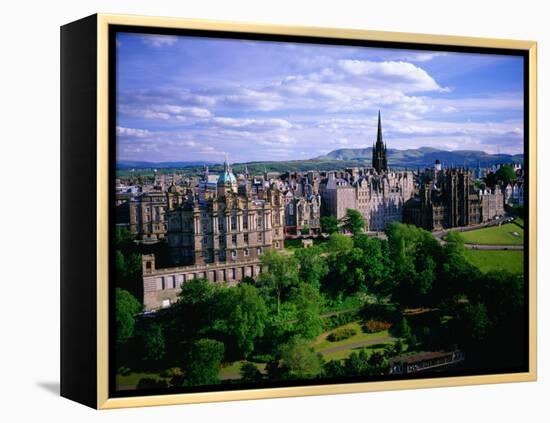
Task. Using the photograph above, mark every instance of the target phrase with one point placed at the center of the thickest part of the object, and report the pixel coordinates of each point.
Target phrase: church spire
(379, 159)
(379, 133)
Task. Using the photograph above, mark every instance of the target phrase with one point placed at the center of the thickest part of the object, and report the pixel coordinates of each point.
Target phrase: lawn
(130, 381)
(346, 346)
(495, 235)
(487, 260)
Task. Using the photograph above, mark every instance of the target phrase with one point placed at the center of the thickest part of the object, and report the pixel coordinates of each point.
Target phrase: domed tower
(227, 182)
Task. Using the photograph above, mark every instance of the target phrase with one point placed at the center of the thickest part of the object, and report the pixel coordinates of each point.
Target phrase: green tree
(305, 230)
(402, 329)
(456, 270)
(199, 305)
(299, 360)
(339, 243)
(120, 264)
(247, 317)
(353, 221)
(356, 364)
(279, 274)
(308, 304)
(250, 373)
(329, 224)
(313, 266)
(202, 364)
(153, 341)
(374, 261)
(125, 311)
(415, 254)
(123, 237)
(347, 273)
(506, 174)
(476, 320)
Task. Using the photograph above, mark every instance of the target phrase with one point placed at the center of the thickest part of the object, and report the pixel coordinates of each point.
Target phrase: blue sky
(189, 98)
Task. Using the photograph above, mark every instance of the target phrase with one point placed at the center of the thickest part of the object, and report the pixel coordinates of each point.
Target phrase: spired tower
(379, 158)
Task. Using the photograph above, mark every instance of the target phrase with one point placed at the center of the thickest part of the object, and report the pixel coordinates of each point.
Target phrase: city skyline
(197, 99)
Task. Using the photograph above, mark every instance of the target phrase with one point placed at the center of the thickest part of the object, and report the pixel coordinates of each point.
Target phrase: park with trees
(342, 308)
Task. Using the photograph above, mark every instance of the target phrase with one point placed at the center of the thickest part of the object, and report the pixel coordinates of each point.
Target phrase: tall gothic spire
(379, 133)
(379, 159)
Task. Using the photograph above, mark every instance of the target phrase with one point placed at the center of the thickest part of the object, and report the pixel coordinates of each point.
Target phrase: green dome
(227, 178)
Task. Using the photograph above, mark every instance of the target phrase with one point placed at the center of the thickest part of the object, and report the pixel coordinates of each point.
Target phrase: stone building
(448, 199)
(147, 216)
(220, 238)
(378, 193)
(513, 194)
(302, 212)
(380, 198)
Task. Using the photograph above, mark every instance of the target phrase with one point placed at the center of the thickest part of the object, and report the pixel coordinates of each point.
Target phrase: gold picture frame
(99, 27)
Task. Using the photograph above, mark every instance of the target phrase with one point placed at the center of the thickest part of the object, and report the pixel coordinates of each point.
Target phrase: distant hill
(337, 159)
(423, 157)
(126, 164)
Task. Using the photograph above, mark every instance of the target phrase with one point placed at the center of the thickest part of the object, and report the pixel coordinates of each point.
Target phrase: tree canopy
(202, 364)
(125, 311)
(353, 221)
(329, 224)
(279, 274)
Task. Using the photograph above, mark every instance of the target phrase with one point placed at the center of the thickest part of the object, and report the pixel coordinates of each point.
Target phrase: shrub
(124, 371)
(250, 373)
(171, 372)
(373, 326)
(341, 334)
(377, 311)
(338, 320)
(261, 358)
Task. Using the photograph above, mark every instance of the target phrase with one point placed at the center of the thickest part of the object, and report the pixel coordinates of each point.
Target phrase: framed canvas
(256, 211)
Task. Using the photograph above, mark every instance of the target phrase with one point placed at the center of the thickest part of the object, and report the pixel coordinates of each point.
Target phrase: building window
(246, 252)
(245, 221)
(233, 254)
(276, 244)
(233, 223)
(246, 238)
(260, 237)
(234, 239)
(260, 222)
(220, 224)
(259, 251)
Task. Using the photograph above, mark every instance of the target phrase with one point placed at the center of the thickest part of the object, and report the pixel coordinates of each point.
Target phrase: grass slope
(488, 260)
(496, 235)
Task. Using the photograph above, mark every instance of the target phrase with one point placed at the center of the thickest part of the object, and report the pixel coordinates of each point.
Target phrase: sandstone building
(219, 236)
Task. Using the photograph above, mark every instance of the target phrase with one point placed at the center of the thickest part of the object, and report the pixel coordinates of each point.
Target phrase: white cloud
(158, 41)
(252, 124)
(132, 132)
(406, 76)
(449, 109)
(422, 56)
